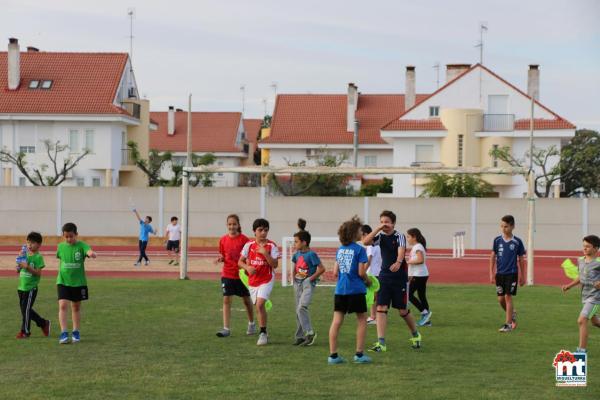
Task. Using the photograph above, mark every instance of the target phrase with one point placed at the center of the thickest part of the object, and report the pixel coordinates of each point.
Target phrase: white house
(306, 125)
(84, 100)
(220, 133)
(457, 125)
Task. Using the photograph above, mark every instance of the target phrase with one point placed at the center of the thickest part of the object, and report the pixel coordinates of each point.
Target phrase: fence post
(263, 202)
(59, 201)
(161, 211)
(366, 210)
(473, 222)
(584, 216)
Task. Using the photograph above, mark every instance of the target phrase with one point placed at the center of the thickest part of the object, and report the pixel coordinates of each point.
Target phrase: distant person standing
(173, 236)
(145, 230)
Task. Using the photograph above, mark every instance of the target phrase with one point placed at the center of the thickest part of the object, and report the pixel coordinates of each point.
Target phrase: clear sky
(211, 48)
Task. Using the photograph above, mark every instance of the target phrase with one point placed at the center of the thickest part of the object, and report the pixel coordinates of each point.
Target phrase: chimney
(533, 81)
(454, 70)
(171, 121)
(410, 92)
(14, 64)
(352, 105)
(32, 49)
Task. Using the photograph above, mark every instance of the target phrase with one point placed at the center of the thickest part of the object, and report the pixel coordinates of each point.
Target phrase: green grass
(152, 339)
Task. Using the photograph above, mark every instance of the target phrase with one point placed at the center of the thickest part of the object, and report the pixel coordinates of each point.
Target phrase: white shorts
(589, 310)
(263, 291)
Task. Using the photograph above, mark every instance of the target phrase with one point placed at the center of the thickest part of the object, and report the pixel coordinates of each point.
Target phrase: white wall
(106, 152)
(465, 93)
(405, 154)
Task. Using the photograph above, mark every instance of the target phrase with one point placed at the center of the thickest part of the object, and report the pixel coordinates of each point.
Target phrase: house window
(34, 84)
(26, 149)
(370, 161)
(22, 181)
(424, 153)
(460, 150)
(434, 111)
(46, 84)
(494, 158)
(80, 181)
(96, 182)
(89, 140)
(74, 141)
(220, 164)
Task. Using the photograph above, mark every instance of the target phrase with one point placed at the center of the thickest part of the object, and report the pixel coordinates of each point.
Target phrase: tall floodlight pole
(530, 202)
(185, 198)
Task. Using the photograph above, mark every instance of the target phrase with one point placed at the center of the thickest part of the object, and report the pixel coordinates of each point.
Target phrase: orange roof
(556, 123)
(321, 118)
(212, 132)
(82, 83)
(252, 128)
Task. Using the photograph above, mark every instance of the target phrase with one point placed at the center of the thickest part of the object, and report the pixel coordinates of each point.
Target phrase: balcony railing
(498, 122)
(126, 157)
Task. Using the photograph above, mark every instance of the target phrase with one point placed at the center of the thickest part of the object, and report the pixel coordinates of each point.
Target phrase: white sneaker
(147, 263)
(251, 330)
(263, 339)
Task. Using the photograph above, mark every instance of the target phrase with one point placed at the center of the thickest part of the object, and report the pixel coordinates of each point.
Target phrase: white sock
(251, 323)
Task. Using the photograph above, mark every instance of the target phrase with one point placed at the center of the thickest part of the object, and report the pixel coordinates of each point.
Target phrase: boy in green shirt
(30, 271)
(71, 281)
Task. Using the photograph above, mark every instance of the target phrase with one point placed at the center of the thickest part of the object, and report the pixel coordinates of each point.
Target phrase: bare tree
(39, 176)
(540, 157)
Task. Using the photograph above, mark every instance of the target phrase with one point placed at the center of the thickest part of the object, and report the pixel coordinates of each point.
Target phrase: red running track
(473, 269)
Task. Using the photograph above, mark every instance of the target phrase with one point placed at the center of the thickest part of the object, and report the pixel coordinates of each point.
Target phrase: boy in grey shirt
(589, 278)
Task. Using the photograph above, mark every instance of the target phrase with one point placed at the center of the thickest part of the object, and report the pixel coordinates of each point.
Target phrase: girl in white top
(374, 267)
(418, 274)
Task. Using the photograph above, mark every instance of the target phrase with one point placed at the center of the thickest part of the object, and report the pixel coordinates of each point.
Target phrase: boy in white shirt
(173, 236)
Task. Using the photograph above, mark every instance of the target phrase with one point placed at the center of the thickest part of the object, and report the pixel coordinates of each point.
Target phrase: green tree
(204, 179)
(547, 175)
(44, 174)
(460, 185)
(313, 185)
(579, 164)
(374, 188)
(152, 166)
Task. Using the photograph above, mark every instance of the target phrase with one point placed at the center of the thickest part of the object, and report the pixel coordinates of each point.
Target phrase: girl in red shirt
(230, 248)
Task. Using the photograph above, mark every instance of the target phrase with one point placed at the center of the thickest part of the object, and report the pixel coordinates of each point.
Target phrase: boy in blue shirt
(350, 290)
(507, 267)
(307, 269)
(145, 230)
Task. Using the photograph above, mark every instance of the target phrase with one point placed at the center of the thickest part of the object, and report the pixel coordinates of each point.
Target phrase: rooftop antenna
(131, 14)
(264, 101)
(243, 90)
(482, 29)
(436, 66)
(274, 87)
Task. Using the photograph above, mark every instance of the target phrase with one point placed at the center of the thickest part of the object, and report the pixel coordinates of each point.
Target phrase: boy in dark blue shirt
(507, 267)
(393, 279)
(350, 290)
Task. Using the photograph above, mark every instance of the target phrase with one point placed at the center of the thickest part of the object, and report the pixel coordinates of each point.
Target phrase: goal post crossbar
(343, 170)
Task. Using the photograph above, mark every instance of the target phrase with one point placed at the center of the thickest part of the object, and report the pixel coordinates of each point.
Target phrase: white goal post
(343, 170)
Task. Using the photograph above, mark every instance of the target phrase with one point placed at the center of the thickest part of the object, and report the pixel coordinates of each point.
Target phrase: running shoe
(75, 337)
(299, 341)
(415, 341)
(337, 360)
(64, 338)
(364, 359)
(263, 339)
(310, 339)
(22, 335)
(505, 328)
(424, 318)
(251, 330)
(378, 348)
(224, 333)
(371, 321)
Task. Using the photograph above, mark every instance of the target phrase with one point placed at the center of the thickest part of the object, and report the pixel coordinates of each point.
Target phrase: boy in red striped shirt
(259, 259)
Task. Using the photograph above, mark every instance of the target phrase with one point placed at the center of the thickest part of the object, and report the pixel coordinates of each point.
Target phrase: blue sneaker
(337, 360)
(64, 338)
(76, 337)
(364, 359)
(424, 319)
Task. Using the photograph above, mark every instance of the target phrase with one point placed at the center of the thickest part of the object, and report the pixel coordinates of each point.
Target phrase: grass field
(153, 339)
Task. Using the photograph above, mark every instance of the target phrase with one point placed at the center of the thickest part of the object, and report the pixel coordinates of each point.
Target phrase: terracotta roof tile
(538, 123)
(433, 124)
(321, 118)
(82, 83)
(211, 132)
(252, 128)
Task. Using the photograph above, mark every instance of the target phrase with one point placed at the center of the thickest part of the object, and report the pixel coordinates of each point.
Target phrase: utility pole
(131, 14)
(185, 195)
(436, 66)
(482, 28)
(530, 202)
(243, 90)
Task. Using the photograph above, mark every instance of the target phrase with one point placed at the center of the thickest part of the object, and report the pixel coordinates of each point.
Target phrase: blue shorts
(394, 293)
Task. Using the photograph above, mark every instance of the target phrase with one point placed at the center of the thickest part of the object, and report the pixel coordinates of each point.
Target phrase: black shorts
(350, 303)
(394, 293)
(173, 245)
(234, 287)
(507, 284)
(72, 293)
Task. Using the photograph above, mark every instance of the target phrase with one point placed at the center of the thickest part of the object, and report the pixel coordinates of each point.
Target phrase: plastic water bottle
(22, 257)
